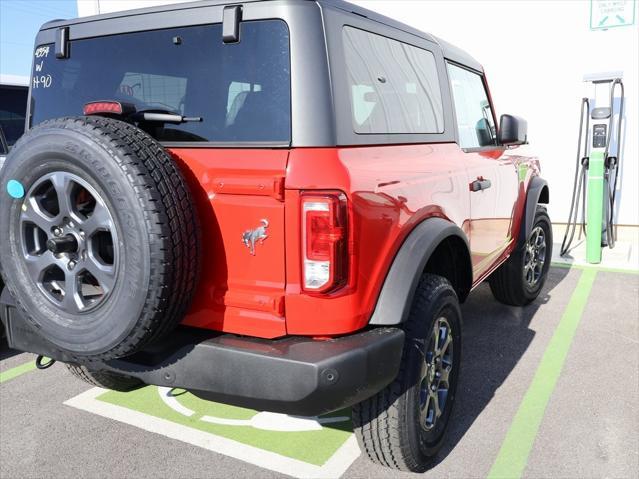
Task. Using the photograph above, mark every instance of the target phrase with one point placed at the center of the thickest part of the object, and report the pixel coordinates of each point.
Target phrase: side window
(160, 91)
(238, 92)
(472, 108)
(393, 86)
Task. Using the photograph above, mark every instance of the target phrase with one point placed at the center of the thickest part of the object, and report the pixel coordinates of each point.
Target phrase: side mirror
(512, 130)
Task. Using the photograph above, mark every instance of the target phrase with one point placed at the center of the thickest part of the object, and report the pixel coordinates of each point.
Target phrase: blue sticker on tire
(15, 189)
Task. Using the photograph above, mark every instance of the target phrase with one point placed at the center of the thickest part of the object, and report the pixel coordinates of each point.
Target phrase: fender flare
(538, 192)
(396, 296)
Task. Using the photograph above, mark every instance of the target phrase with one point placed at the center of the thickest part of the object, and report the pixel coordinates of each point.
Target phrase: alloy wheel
(534, 257)
(69, 242)
(436, 372)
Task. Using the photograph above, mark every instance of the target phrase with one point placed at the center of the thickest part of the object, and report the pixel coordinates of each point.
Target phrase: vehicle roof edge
(450, 51)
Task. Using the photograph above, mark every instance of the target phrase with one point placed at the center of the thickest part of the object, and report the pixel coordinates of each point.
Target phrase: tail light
(324, 241)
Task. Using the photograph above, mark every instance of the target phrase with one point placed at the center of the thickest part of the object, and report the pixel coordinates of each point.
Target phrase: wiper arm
(164, 116)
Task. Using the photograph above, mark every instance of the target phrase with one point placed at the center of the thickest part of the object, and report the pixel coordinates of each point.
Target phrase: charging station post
(596, 169)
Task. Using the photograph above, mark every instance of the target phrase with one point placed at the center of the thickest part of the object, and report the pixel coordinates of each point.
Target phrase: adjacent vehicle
(278, 205)
(14, 91)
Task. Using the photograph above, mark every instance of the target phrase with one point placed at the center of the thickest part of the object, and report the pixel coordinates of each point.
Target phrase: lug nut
(71, 265)
(57, 231)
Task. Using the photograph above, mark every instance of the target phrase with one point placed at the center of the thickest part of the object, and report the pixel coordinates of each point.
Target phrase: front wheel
(404, 425)
(519, 280)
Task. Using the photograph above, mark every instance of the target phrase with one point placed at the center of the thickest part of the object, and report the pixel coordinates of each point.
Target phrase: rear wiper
(163, 116)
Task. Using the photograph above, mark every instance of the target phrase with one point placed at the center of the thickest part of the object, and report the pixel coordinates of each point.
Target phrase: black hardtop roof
(450, 51)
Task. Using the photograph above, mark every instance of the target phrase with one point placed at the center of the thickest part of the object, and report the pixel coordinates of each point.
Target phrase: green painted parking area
(310, 440)
(513, 455)
(525, 370)
(16, 371)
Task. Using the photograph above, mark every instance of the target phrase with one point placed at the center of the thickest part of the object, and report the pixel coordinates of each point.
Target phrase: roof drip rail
(62, 43)
(231, 18)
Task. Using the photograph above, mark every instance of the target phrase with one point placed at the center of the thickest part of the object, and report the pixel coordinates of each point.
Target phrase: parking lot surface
(550, 390)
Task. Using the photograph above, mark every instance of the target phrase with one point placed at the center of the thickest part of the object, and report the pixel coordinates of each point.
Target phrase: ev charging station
(599, 150)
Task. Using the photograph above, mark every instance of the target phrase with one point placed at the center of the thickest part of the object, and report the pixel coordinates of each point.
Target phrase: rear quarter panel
(390, 190)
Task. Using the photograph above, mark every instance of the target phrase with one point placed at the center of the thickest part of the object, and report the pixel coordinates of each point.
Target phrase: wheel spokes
(70, 246)
(38, 264)
(435, 374)
(33, 214)
(104, 274)
(435, 404)
(63, 186)
(445, 373)
(100, 219)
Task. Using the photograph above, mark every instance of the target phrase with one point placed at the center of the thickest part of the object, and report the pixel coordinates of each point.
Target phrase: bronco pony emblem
(250, 237)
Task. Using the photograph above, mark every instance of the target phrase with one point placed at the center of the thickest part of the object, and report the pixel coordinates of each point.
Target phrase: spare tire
(99, 240)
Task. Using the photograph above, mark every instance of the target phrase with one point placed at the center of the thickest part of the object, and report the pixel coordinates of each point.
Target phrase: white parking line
(333, 468)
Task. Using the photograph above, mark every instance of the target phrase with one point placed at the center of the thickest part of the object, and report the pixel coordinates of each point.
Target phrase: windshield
(241, 90)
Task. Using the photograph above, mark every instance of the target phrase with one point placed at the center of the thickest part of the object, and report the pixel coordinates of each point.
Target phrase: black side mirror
(512, 130)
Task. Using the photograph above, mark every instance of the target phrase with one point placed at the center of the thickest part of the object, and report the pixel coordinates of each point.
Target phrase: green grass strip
(17, 371)
(513, 454)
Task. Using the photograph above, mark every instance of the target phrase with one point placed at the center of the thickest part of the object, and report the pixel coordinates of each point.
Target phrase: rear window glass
(393, 86)
(240, 90)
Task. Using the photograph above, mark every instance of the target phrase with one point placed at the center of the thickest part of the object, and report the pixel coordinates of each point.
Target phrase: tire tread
(380, 422)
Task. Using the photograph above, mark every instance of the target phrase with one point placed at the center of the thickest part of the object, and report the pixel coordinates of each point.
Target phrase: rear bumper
(293, 375)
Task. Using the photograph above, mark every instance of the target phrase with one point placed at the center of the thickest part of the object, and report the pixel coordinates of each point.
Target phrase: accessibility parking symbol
(297, 446)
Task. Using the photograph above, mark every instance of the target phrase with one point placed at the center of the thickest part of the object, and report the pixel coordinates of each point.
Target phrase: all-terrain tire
(154, 273)
(509, 283)
(388, 425)
(105, 379)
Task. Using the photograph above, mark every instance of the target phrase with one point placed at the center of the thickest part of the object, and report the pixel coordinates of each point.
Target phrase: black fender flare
(396, 296)
(538, 192)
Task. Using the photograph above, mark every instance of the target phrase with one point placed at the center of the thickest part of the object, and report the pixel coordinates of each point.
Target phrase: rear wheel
(404, 425)
(519, 280)
(105, 379)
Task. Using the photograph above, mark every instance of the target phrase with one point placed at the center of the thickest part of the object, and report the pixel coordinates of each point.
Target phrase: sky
(20, 20)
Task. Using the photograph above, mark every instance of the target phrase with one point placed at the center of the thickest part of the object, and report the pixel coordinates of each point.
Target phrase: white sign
(606, 14)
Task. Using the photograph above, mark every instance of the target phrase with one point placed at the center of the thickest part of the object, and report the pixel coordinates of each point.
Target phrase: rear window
(393, 86)
(240, 90)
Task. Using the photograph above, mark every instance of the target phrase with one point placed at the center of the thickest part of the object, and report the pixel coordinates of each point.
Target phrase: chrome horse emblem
(250, 237)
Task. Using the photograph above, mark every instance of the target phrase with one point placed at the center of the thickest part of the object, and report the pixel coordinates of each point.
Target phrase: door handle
(480, 184)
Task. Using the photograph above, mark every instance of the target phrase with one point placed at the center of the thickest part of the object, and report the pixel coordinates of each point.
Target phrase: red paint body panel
(390, 189)
(234, 190)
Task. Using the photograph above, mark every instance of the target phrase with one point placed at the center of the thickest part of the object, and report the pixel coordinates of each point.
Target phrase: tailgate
(239, 196)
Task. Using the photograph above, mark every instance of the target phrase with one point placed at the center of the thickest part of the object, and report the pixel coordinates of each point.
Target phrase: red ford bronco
(277, 205)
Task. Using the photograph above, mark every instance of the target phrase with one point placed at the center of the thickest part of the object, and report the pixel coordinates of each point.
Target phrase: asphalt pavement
(550, 390)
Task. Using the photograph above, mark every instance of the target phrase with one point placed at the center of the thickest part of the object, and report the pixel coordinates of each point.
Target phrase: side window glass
(472, 108)
(238, 92)
(159, 91)
(394, 87)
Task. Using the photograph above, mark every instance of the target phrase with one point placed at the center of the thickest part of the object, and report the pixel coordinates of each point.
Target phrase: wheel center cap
(63, 244)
